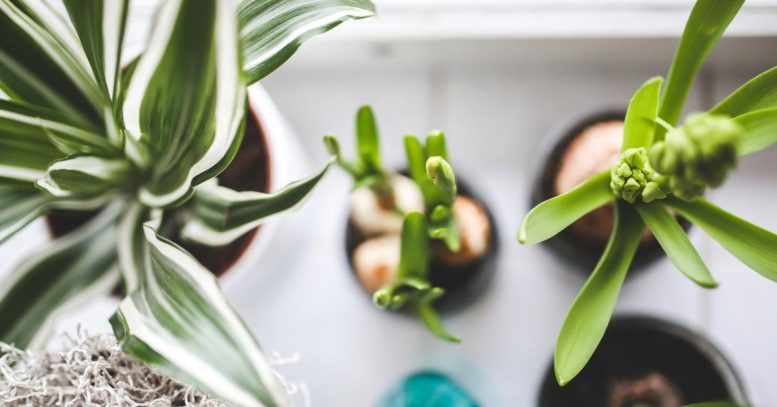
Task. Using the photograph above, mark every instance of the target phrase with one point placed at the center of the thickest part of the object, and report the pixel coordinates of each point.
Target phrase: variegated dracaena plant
(79, 132)
(664, 170)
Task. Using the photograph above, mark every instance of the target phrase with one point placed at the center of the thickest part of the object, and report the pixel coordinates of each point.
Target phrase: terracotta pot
(644, 360)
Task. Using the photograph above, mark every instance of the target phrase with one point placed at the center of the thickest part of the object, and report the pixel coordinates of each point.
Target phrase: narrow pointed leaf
(706, 24)
(757, 94)
(760, 130)
(590, 314)
(416, 162)
(100, 27)
(222, 215)
(674, 241)
(43, 63)
(272, 30)
(751, 244)
(640, 122)
(554, 215)
(178, 322)
(428, 315)
(414, 248)
(72, 270)
(131, 247)
(19, 207)
(25, 149)
(436, 146)
(367, 141)
(185, 101)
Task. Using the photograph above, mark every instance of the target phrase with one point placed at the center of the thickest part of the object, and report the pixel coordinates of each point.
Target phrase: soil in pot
(250, 170)
(646, 361)
(463, 279)
(584, 149)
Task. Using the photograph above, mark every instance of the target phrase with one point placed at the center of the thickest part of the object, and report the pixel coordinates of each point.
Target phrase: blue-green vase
(427, 389)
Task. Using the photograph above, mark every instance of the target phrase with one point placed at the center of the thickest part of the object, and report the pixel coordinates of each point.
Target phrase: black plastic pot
(464, 284)
(643, 360)
(579, 249)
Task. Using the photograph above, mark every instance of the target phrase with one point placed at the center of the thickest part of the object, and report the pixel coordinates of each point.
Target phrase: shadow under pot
(648, 361)
(372, 244)
(579, 151)
(249, 171)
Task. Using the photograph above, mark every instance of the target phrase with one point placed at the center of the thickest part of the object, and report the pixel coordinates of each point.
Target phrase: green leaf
(760, 130)
(640, 122)
(74, 269)
(751, 244)
(100, 28)
(436, 145)
(19, 207)
(757, 94)
(674, 241)
(272, 30)
(706, 24)
(414, 248)
(432, 321)
(416, 162)
(590, 314)
(367, 141)
(85, 176)
(222, 215)
(185, 102)
(178, 322)
(554, 215)
(43, 63)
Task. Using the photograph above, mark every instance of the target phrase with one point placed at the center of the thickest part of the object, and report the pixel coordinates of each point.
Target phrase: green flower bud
(442, 176)
(698, 154)
(633, 177)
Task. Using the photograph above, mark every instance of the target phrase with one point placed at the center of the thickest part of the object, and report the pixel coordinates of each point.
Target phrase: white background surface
(497, 91)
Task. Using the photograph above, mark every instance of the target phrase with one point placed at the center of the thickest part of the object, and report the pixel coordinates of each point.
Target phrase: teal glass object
(427, 389)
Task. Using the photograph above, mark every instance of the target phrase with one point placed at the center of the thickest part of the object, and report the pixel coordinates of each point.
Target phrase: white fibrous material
(93, 371)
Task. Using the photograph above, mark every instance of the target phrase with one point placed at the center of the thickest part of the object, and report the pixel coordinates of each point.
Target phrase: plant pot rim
(732, 379)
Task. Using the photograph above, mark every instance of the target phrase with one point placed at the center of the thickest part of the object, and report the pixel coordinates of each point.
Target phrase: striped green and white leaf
(85, 176)
(19, 207)
(178, 322)
(42, 62)
(71, 271)
(221, 215)
(100, 27)
(185, 101)
(272, 30)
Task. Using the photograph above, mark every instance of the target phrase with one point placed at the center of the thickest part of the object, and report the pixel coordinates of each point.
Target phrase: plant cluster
(663, 172)
(143, 145)
(433, 176)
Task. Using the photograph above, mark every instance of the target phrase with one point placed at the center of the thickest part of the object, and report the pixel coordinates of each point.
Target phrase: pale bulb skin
(376, 261)
(474, 233)
(372, 218)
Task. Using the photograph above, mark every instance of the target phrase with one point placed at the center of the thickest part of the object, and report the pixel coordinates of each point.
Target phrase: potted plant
(580, 148)
(417, 240)
(652, 362)
(143, 147)
(663, 169)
